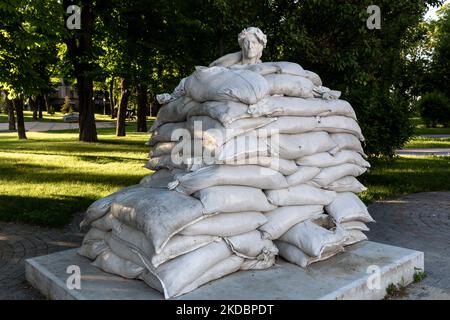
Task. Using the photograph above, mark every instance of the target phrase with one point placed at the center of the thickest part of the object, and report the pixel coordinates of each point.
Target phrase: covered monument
(252, 160)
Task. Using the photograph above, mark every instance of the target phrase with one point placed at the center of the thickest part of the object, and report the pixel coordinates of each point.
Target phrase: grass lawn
(405, 175)
(422, 142)
(57, 117)
(51, 176)
(420, 128)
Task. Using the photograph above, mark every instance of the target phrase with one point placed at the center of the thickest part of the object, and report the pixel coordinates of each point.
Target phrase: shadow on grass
(49, 212)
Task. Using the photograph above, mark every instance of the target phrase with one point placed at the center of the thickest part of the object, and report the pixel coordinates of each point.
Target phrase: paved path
(438, 136)
(52, 126)
(424, 152)
(420, 221)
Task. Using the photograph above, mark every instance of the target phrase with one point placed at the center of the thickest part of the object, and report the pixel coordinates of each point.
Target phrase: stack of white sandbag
(250, 161)
(289, 124)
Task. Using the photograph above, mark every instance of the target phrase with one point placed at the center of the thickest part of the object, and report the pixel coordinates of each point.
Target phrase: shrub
(66, 107)
(434, 109)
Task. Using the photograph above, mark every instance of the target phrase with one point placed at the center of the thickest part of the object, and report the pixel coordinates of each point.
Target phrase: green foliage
(434, 109)
(67, 106)
(419, 275)
(396, 290)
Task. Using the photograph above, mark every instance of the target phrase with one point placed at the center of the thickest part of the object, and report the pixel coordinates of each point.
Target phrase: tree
(80, 52)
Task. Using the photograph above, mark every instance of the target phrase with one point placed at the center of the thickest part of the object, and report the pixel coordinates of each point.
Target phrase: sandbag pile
(250, 161)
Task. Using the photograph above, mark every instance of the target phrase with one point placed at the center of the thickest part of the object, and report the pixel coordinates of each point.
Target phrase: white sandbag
(290, 85)
(167, 132)
(354, 225)
(327, 175)
(291, 68)
(219, 270)
(111, 263)
(92, 249)
(106, 223)
(260, 68)
(355, 236)
(222, 84)
(255, 264)
(285, 167)
(314, 239)
(177, 273)
(251, 245)
(339, 124)
(232, 199)
(347, 207)
(292, 125)
(294, 146)
(159, 179)
(302, 175)
(132, 245)
(94, 234)
(325, 159)
(165, 162)
(300, 195)
(162, 148)
(101, 206)
(347, 141)
(282, 219)
(226, 224)
(296, 256)
(243, 147)
(346, 184)
(158, 213)
(174, 111)
(246, 175)
(290, 106)
(225, 112)
(214, 133)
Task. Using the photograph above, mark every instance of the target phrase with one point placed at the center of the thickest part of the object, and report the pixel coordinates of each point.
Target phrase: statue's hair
(262, 38)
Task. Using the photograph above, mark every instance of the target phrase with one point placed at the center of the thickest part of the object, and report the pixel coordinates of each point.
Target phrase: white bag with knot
(172, 131)
(226, 224)
(348, 207)
(302, 175)
(296, 256)
(290, 85)
(112, 263)
(347, 141)
(245, 175)
(329, 174)
(276, 106)
(223, 84)
(282, 219)
(232, 199)
(339, 124)
(174, 111)
(251, 245)
(346, 184)
(314, 239)
(225, 112)
(325, 159)
(300, 195)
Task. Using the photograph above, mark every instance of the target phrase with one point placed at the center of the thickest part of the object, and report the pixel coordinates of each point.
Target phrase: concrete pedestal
(345, 276)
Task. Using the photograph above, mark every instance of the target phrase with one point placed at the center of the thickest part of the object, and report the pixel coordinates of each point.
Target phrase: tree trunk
(11, 117)
(112, 102)
(123, 104)
(40, 105)
(47, 104)
(86, 120)
(18, 105)
(32, 104)
(79, 49)
(142, 108)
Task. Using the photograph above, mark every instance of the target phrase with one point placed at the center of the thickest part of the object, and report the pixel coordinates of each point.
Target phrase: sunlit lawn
(405, 175)
(51, 176)
(57, 117)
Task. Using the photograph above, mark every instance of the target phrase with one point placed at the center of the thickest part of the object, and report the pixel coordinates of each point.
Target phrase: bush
(434, 109)
(66, 107)
(384, 118)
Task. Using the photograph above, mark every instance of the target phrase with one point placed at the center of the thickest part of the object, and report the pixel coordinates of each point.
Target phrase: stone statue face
(251, 47)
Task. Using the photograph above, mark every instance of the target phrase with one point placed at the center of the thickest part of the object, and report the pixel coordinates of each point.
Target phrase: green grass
(420, 128)
(422, 142)
(57, 117)
(51, 176)
(390, 178)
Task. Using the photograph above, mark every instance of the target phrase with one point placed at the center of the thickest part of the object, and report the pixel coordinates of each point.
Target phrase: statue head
(252, 42)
